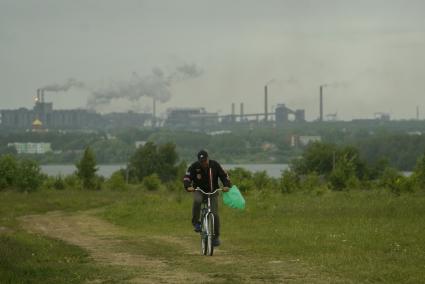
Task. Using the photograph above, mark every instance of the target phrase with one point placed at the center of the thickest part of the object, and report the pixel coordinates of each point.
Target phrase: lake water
(273, 170)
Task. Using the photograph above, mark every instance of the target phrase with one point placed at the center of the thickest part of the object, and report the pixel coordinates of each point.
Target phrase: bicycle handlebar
(208, 193)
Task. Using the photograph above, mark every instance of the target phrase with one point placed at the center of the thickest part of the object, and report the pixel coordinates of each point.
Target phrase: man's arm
(224, 177)
(187, 179)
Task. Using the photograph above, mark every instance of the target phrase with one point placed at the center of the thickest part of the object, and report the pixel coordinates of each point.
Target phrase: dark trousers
(198, 197)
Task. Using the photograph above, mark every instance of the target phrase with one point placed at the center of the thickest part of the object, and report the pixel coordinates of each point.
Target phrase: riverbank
(273, 170)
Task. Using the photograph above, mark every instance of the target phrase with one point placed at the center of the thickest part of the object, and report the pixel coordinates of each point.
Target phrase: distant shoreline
(106, 170)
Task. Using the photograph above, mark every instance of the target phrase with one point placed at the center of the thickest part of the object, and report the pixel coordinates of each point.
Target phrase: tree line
(321, 167)
(333, 167)
(150, 166)
(239, 146)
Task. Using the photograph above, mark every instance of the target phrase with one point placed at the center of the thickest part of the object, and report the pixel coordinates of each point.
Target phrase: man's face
(204, 163)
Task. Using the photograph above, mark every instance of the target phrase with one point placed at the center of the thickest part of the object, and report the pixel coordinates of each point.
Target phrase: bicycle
(207, 224)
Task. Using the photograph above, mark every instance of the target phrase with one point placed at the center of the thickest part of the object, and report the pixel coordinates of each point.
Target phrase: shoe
(216, 242)
(197, 227)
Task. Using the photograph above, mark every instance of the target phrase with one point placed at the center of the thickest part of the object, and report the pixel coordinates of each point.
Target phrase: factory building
(179, 118)
(23, 119)
(127, 119)
(51, 119)
(17, 119)
(285, 115)
(190, 118)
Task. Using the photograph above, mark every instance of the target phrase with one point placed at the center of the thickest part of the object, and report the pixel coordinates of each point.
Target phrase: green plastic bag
(233, 198)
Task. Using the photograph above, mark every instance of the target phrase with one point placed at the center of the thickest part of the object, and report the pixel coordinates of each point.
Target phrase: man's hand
(190, 189)
(225, 189)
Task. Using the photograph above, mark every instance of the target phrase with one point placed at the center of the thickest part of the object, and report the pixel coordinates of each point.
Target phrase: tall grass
(357, 236)
(28, 258)
(361, 236)
(365, 236)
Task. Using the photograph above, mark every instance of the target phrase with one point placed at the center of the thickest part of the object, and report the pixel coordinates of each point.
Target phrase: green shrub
(377, 168)
(56, 182)
(29, 176)
(152, 182)
(59, 183)
(397, 183)
(86, 170)
(331, 161)
(99, 181)
(418, 175)
(289, 182)
(246, 185)
(263, 181)
(72, 181)
(406, 184)
(116, 181)
(353, 183)
(344, 171)
(8, 171)
(238, 174)
(175, 185)
(181, 171)
(317, 157)
(48, 183)
(321, 190)
(242, 178)
(311, 182)
(151, 159)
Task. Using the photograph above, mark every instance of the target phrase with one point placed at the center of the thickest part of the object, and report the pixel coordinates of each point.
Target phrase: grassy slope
(27, 258)
(358, 236)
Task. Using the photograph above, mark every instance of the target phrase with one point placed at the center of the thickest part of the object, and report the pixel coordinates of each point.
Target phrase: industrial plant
(43, 117)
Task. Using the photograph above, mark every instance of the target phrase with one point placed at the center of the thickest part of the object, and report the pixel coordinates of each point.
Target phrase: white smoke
(156, 86)
(70, 83)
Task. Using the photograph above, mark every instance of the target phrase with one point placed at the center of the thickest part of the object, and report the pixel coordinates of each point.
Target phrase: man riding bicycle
(204, 174)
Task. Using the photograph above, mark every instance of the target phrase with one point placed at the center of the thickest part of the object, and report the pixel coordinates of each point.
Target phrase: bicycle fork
(208, 227)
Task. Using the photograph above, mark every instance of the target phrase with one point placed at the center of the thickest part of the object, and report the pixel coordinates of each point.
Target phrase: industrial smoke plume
(71, 83)
(156, 86)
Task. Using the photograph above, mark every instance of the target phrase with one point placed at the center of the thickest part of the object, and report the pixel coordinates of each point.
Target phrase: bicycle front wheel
(210, 234)
(204, 238)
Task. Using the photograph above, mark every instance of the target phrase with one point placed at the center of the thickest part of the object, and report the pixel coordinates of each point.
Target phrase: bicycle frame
(207, 228)
(208, 194)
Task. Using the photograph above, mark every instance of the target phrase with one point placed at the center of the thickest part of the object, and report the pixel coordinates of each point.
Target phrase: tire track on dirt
(104, 242)
(109, 244)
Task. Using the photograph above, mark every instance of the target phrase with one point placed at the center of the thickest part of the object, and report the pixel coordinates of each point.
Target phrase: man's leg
(214, 209)
(196, 207)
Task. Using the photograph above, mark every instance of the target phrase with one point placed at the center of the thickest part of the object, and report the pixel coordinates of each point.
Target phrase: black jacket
(196, 176)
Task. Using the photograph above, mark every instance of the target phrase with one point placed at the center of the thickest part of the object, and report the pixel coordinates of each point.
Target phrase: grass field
(338, 237)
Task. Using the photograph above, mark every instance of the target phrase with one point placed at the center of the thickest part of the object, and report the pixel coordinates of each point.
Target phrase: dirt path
(108, 244)
(104, 242)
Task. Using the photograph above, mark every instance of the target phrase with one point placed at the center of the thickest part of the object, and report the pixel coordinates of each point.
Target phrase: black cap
(202, 155)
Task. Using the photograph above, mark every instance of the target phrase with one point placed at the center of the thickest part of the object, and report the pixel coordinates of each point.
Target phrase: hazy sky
(371, 53)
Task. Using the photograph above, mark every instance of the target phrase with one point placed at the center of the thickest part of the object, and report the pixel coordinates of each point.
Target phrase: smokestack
(321, 104)
(265, 104)
(233, 112)
(241, 111)
(154, 113)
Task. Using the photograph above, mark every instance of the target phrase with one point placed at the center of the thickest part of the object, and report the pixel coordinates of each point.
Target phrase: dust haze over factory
(162, 63)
